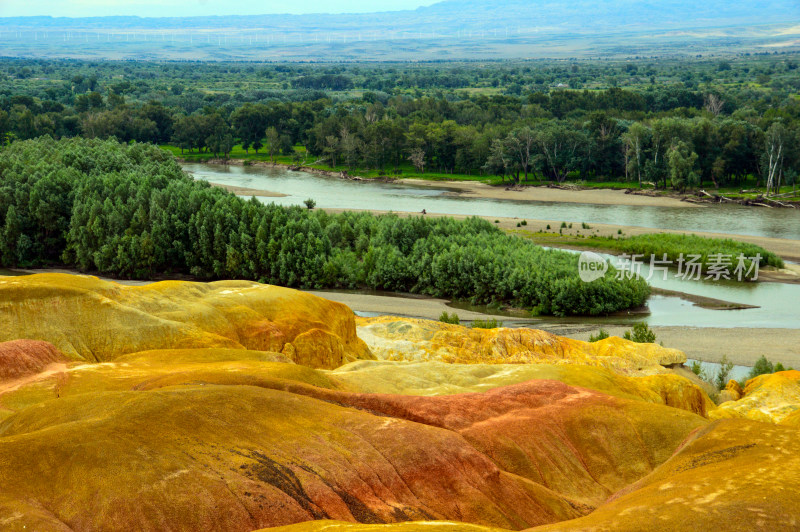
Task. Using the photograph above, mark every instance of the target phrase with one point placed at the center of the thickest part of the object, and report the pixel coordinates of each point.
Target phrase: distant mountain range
(586, 15)
(578, 15)
(454, 22)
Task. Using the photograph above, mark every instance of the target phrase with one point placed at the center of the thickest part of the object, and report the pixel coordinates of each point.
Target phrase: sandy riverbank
(244, 191)
(743, 346)
(475, 189)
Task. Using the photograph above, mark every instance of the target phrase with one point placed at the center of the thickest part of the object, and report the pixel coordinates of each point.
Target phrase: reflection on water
(343, 194)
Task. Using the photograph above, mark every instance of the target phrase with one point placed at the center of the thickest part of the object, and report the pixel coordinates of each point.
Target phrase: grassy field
(658, 245)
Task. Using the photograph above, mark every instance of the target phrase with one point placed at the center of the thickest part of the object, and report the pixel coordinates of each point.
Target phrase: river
(335, 193)
(778, 303)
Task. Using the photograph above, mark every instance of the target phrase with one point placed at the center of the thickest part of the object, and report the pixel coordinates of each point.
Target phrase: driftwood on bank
(761, 198)
(759, 201)
(785, 194)
(561, 186)
(718, 197)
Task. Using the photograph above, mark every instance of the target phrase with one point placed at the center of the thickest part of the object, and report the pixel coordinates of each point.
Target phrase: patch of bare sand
(474, 189)
(411, 307)
(742, 346)
(244, 191)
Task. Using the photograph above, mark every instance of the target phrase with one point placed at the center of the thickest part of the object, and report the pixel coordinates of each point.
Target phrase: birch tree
(417, 158)
(774, 155)
(634, 141)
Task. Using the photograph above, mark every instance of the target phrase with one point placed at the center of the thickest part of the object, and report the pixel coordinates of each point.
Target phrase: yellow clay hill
(235, 406)
(393, 338)
(770, 398)
(97, 321)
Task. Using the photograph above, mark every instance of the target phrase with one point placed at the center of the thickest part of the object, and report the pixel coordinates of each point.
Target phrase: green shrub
(486, 324)
(310, 204)
(761, 367)
(450, 318)
(707, 249)
(641, 334)
(765, 367)
(723, 373)
(602, 334)
(524, 222)
(697, 368)
(586, 226)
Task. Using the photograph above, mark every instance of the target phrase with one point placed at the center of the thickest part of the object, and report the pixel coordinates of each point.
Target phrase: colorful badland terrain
(236, 406)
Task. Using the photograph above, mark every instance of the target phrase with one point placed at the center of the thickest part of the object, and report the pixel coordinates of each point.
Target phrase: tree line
(502, 136)
(130, 211)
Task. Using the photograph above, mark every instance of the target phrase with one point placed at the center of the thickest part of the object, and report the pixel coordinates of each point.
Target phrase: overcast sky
(172, 8)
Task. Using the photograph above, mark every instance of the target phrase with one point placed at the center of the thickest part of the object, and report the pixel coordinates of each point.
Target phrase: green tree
(11, 234)
(641, 334)
(561, 146)
(250, 121)
(273, 141)
(635, 141)
(681, 161)
(5, 128)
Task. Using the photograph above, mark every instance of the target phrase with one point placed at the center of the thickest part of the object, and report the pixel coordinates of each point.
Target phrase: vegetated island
(130, 211)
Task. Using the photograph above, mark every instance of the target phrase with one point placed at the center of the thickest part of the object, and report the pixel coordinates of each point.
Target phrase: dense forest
(130, 211)
(679, 123)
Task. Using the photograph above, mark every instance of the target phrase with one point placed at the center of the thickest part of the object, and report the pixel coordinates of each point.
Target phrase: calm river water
(779, 303)
(334, 193)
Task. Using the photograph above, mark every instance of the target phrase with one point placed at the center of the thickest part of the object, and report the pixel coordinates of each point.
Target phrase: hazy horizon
(188, 8)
